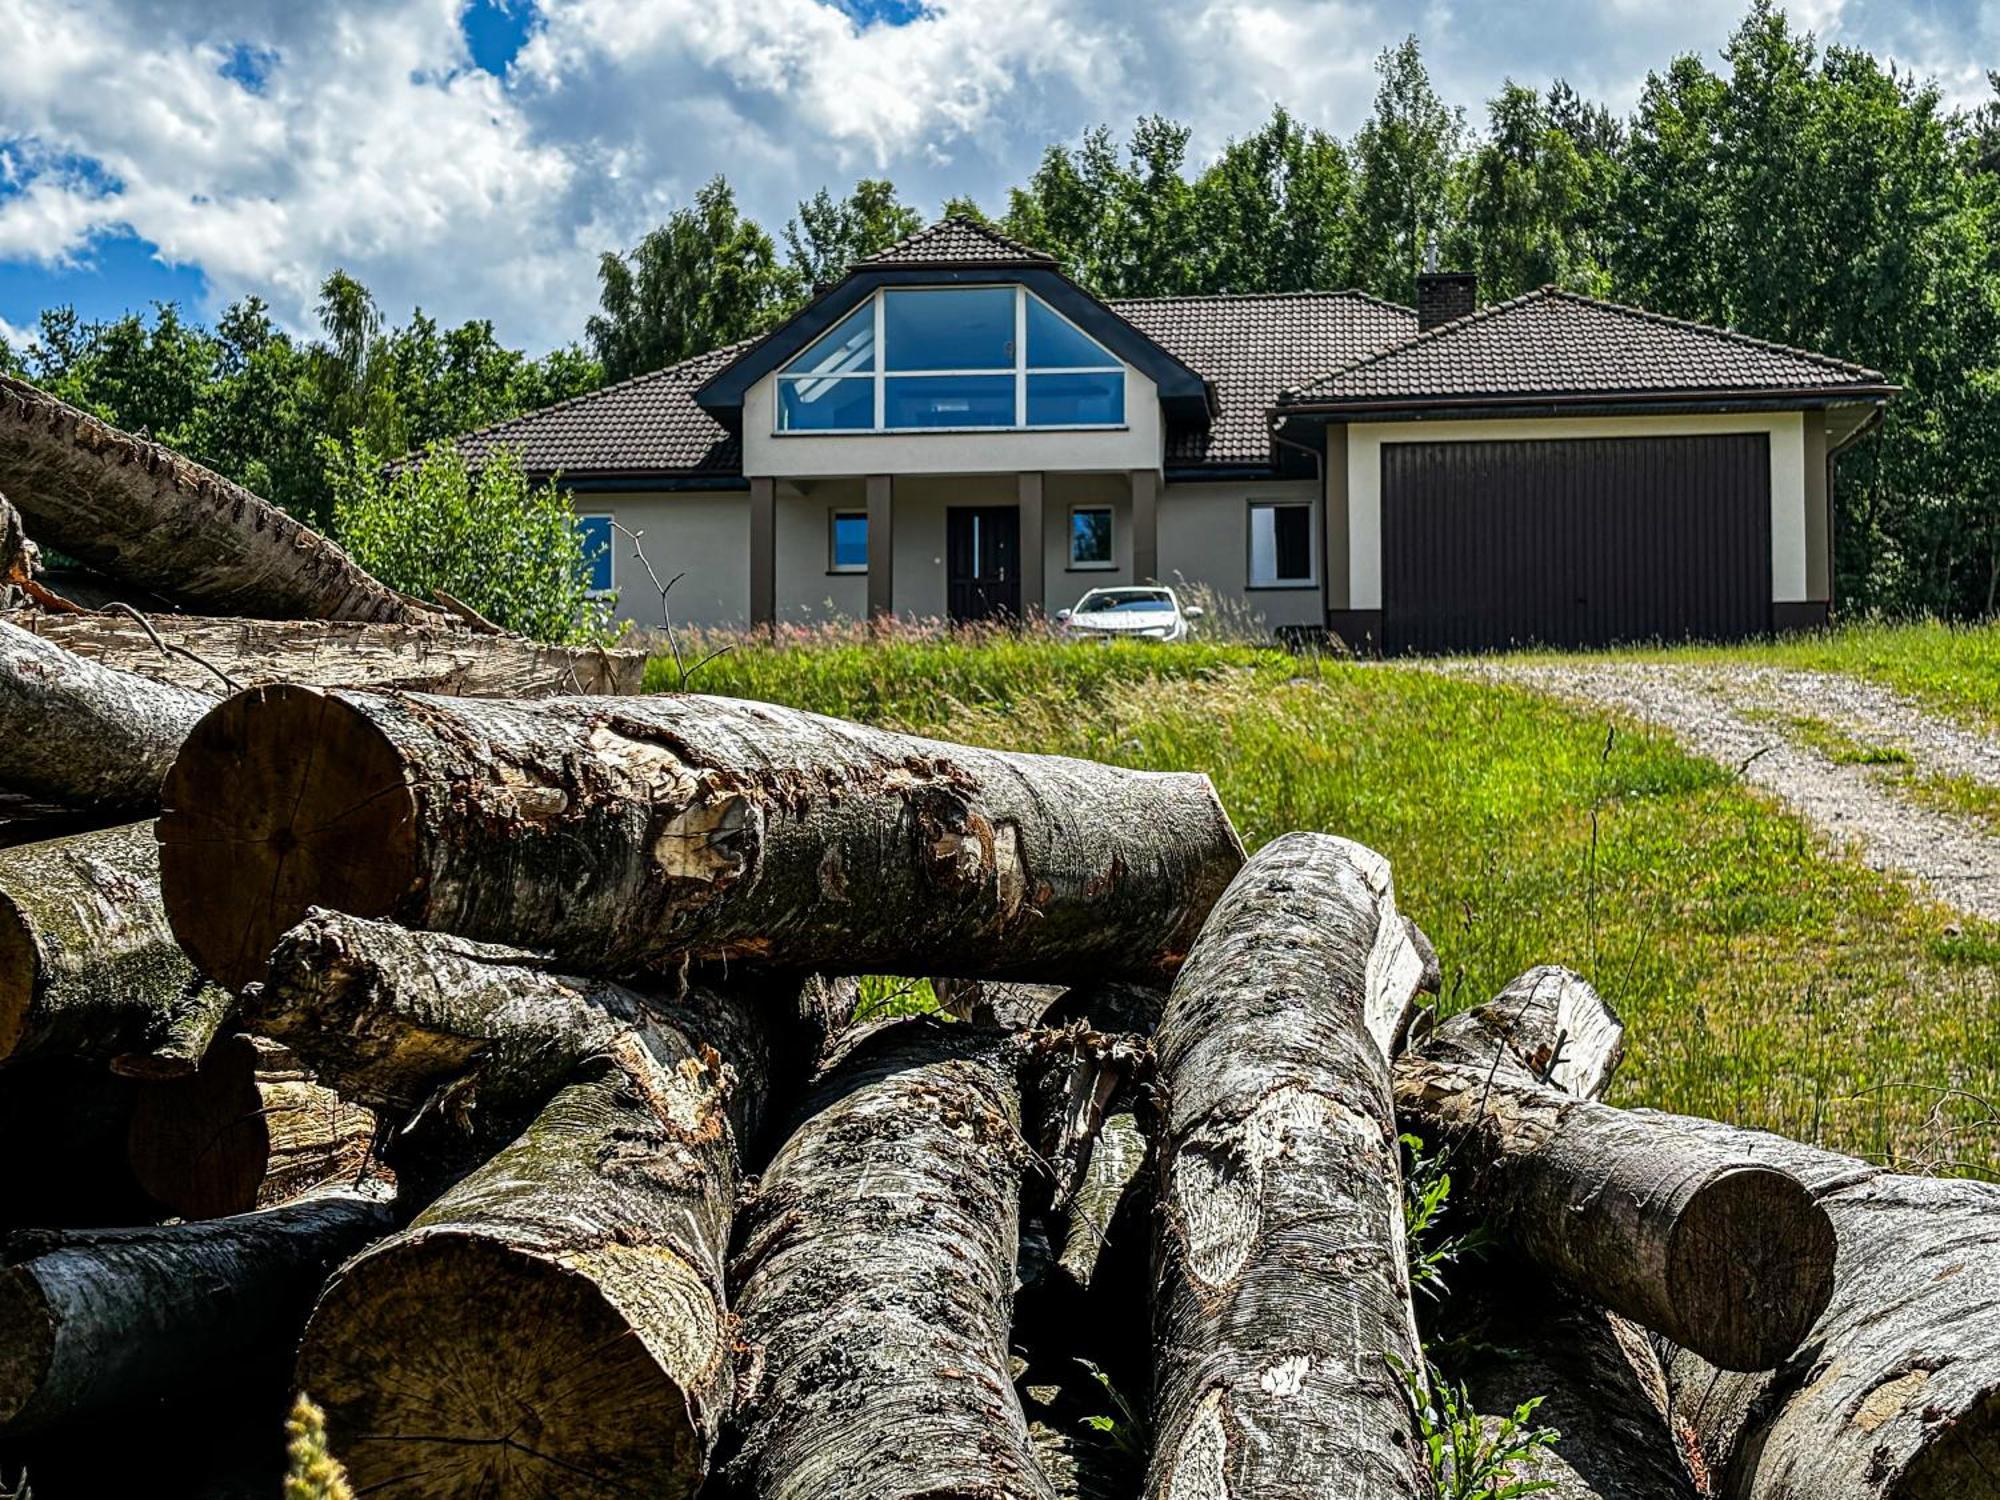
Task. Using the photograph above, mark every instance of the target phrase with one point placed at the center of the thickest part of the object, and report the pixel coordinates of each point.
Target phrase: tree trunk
(424, 658)
(89, 968)
(89, 1319)
(77, 735)
(1093, 1047)
(874, 1276)
(248, 1130)
(1601, 1382)
(619, 834)
(141, 512)
(1710, 1247)
(1897, 1391)
(1282, 1294)
(555, 1324)
(20, 559)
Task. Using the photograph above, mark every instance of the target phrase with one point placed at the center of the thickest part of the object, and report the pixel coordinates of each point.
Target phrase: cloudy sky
(474, 157)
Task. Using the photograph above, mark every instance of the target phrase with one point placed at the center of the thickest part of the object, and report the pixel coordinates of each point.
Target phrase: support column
(763, 553)
(881, 546)
(1034, 547)
(1819, 512)
(1145, 525)
(1333, 528)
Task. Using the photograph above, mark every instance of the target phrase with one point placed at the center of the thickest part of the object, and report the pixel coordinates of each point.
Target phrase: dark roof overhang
(1183, 392)
(1584, 403)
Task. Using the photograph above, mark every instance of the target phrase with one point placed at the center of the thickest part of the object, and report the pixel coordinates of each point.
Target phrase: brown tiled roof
(1557, 343)
(956, 242)
(1254, 346)
(646, 424)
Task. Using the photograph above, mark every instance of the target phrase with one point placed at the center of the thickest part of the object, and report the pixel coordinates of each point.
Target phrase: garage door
(1575, 542)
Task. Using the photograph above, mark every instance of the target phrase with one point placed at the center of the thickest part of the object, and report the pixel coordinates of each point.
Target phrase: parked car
(1151, 614)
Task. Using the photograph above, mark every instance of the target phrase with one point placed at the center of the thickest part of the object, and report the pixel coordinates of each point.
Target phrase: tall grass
(1764, 978)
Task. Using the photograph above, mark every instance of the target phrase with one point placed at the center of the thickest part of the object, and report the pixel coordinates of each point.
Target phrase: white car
(1151, 614)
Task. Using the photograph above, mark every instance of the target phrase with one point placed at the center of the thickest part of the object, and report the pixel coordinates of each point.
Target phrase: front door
(982, 552)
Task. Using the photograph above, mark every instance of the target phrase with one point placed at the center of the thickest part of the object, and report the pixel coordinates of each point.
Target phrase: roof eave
(1584, 402)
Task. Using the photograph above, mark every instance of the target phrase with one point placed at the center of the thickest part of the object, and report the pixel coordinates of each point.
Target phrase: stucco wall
(808, 591)
(1205, 538)
(702, 535)
(1788, 487)
(1136, 445)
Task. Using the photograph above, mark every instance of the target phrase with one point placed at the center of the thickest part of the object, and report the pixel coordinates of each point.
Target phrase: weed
(1470, 1457)
(1426, 1195)
(312, 1472)
(886, 995)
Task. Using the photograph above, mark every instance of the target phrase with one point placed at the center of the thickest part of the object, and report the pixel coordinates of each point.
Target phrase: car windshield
(1124, 602)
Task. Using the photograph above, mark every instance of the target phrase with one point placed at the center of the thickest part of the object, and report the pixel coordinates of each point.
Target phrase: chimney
(1445, 295)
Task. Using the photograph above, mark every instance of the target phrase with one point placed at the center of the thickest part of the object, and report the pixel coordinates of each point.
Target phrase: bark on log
(139, 511)
(422, 658)
(74, 734)
(619, 834)
(20, 559)
(1712, 1248)
(248, 1130)
(996, 1002)
(1282, 1291)
(89, 968)
(90, 1319)
(1093, 1048)
(555, 1324)
(1896, 1392)
(874, 1283)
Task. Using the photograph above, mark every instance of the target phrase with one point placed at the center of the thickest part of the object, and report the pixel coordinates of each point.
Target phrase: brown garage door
(1575, 542)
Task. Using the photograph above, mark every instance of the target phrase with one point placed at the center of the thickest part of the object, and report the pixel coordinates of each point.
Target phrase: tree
(705, 278)
(1121, 226)
(487, 537)
(1403, 157)
(1272, 213)
(828, 235)
(1530, 197)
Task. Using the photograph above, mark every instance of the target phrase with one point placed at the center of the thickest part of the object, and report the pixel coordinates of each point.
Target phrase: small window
(595, 534)
(847, 544)
(1090, 537)
(1281, 546)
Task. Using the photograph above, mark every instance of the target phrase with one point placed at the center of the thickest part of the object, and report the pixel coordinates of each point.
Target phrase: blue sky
(474, 158)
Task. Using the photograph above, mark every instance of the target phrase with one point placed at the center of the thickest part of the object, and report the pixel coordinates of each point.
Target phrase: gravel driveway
(1740, 715)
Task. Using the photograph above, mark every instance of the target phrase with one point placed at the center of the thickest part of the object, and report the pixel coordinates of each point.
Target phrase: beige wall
(808, 591)
(702, 535)
(1136, 445)
(1205, 538)
(1365, 441)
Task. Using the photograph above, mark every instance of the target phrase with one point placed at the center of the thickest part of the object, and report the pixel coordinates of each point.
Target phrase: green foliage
(1763, 977)
(1470, 1458)
(1404, 161)
(1125, 1426)
(828, 235)
(311, 1471)
(488, 537)
(1426, 1195)
(886, 995)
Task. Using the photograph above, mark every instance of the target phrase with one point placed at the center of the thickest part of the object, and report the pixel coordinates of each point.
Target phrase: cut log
(996, 1002)
(1713, 1249)
(20, 559)
(1896, 1393)
(248, 1130)
(77, 735)
(1282, 1301)
(621, 834)
(874, 1283)
(89, 968)
(138, 511)
(424, 658)
(90, 1319)
(1091, 1048)
(555, 1324)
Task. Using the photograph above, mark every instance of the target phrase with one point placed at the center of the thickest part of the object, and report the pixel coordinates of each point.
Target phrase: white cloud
(373, 143)
(17, 339)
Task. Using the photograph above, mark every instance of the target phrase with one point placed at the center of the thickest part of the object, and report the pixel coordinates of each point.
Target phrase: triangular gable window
(938, 358)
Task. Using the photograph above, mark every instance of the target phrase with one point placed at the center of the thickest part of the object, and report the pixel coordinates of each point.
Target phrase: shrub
(488, 537)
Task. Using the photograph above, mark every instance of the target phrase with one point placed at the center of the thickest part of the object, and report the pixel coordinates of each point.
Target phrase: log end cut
(282, 798)
(27, 1342)
(1750, 1267)
(1962, 1461)
(456, 1364)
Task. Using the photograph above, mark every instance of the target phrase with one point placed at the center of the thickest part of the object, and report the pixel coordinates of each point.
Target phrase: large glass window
(847, 542)
(595, 534)
(1090, 537)
(946, 357)
(1281, 549)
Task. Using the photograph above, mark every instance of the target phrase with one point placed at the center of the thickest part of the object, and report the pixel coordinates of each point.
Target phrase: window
(1090, 537)
(595, 534)
(1281, 545)
(847, 542)
(938, 358)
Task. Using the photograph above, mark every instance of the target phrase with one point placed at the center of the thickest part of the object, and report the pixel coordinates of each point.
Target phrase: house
(955, 429)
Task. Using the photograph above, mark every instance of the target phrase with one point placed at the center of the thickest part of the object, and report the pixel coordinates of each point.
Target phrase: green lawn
(1762, 979)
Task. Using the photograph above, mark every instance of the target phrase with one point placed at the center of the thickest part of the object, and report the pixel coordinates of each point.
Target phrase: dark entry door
(982, 553)
(1575, 541)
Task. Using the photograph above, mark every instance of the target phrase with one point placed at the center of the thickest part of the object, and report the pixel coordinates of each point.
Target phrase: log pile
(488, 1069)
